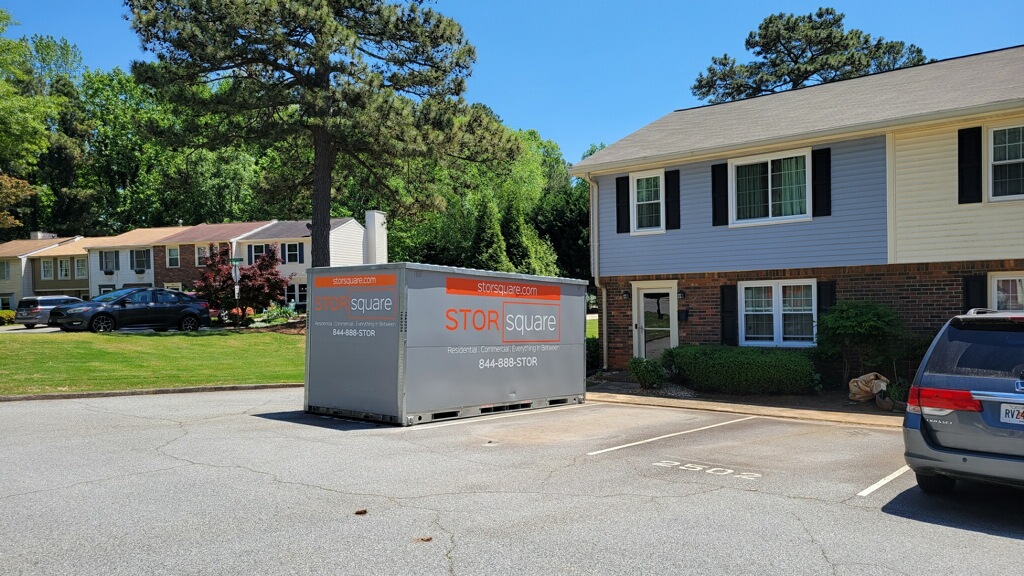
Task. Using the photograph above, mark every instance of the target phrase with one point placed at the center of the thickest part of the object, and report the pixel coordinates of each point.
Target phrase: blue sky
(588, 71)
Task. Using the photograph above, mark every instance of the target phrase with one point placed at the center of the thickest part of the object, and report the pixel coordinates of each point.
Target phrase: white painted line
(475, 419)
(668, 436)
(883, 481)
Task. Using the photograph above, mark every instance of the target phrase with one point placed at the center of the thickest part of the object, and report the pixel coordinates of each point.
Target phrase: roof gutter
(595, 267)
(878, 128)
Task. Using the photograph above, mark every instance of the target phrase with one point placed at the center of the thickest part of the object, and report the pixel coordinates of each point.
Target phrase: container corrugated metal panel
(410, 343)
(854, 235)
(930, 224)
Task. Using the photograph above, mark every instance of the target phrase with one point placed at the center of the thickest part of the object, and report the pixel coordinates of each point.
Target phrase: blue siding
(855, 234)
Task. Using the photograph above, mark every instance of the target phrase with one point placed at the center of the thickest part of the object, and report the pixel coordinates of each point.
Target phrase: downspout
(595, 268)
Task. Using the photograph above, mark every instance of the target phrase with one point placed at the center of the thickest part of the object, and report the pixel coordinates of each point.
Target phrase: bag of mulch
(864, 388)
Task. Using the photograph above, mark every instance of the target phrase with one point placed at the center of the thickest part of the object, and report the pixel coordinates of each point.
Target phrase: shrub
(648, 373)
(865, 332)
(6, 317)
(277, 312)
(735, 370)
(593, 353)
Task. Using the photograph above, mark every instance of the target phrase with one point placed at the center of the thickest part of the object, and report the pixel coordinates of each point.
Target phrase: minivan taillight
(940, 399)
(35, 311)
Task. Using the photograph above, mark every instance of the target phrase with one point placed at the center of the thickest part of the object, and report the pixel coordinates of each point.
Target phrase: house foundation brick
(924, 295)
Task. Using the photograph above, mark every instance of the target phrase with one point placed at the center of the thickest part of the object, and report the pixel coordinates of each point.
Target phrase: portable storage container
(412, 343)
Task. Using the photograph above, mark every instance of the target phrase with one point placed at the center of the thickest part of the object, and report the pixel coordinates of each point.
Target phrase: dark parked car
(965, 411)
(155, 308)
(34, 310)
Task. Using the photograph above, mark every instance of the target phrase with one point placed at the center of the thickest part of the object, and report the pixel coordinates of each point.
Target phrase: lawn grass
(83, 362)
(592, 328)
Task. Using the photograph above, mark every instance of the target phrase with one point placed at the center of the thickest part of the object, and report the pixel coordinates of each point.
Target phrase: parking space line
(488, 418)
(668, 436)
(883, 481)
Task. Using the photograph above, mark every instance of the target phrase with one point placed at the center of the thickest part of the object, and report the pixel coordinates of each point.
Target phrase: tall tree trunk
(323, 167)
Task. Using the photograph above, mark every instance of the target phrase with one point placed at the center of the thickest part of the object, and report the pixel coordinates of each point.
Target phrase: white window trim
(85, 273)
(167, 259)
(670, 286)
(993, 277)
(199, 259)
(988, 162)
(172, 286)
(42, 270)
(734, 162)
(283, 256)
(633, 177)
(776, 285)
(69, 276)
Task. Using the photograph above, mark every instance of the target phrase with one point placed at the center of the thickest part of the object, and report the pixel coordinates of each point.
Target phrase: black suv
(156, 308)
(965, 410)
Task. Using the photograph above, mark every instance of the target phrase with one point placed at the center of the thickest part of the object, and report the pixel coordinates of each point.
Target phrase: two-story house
(348, 240)
(741, 222)
(179, 258)
(63, 269)
(125, 260)
(16, 268)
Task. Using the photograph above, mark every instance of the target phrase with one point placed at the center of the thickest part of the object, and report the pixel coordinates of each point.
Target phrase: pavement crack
(88, 482)
(818, 543)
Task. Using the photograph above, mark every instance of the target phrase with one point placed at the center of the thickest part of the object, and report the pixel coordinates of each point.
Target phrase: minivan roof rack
(980, 311)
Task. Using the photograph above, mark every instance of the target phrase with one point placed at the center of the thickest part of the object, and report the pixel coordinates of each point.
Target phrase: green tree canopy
(364, 79)
(801, 50)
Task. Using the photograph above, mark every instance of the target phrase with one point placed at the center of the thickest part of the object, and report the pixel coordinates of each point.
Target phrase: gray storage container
(412, 343)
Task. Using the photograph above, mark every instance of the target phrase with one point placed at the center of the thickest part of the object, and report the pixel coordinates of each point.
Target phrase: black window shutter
(730, 315)
(117, 259)
(975, 292)
(821, 182)
(969, 165)
(131, 258)
(302, 256)
(622, 205)
(250, 254)
(720, 195)
(672, 200)
(826, 296)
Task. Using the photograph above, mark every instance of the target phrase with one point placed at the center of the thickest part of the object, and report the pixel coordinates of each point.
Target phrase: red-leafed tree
(262, 284)
(215, 284)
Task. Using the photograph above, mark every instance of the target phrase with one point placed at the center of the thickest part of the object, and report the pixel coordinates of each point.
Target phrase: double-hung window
(290, 253)
(778, 313)
(647, 200)
(63, 268)
(81, 267)
(770, 188)
(1008, 163)
(295, 294)
(1007, 291)
(173, 257)
(5, 301)
(140, 259)
(109, 261)
(202, 253)
(46, 269)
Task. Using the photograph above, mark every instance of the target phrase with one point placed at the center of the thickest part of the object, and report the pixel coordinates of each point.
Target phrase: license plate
(1011, 413)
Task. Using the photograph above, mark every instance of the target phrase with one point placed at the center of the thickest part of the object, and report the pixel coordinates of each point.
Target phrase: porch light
(627, 295)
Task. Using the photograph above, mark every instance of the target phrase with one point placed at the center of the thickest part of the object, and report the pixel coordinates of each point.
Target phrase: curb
(146, 392)
(882, 420)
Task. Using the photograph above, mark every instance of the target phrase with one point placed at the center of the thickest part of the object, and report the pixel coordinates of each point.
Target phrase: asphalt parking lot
(243, 482)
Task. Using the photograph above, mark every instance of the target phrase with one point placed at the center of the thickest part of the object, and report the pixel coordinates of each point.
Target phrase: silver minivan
(965, 410)
(34, 310)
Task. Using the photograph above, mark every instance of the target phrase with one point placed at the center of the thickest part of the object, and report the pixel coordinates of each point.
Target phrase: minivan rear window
(992, 348)
(27, 303)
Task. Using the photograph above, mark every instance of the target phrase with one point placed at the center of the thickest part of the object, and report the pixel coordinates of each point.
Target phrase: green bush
(276, 312)
(861, 332)
(6, 317)
(648, 373)
(746, 370)
(593, 353)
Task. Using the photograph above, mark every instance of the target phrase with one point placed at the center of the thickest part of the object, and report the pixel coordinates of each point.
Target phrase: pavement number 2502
(708, 469)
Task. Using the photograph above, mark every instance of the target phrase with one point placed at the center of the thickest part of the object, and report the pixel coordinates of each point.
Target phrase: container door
(653, 322)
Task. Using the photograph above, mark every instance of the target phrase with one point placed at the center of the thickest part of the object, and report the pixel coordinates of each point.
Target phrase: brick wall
(924, 296)
(187, 272)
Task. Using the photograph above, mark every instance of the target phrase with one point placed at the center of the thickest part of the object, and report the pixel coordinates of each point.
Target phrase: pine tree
(488, 243)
